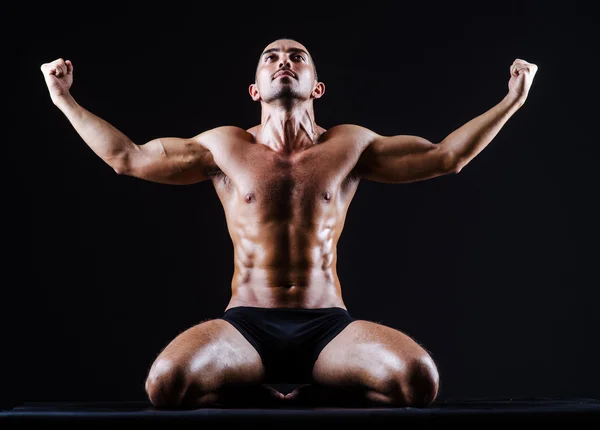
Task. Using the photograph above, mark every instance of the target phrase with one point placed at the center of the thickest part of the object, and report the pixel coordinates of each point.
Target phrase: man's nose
(284, 63)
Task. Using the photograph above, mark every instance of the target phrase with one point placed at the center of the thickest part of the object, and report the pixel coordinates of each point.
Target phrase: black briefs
(288, 340)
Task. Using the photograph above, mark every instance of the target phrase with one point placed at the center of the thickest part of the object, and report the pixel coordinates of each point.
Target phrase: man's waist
(285, 277)
(288, 295)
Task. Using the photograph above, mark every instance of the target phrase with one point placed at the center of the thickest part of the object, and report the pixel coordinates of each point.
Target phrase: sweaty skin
(285, 186)
(285, 212)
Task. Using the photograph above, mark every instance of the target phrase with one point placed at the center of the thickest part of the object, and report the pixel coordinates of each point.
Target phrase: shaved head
(295, 45)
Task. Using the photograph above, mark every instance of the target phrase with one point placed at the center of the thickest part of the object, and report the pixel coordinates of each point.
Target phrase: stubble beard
(284, 94)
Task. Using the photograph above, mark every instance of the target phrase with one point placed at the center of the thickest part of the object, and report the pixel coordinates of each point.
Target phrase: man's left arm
(405, 158)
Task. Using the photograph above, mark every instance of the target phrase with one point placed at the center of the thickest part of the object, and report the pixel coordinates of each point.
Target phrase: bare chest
(280, 184)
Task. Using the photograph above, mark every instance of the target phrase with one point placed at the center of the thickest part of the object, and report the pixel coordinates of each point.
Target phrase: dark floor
(575, 413)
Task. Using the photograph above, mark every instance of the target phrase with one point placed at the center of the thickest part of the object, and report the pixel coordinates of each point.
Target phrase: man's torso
(285, 213)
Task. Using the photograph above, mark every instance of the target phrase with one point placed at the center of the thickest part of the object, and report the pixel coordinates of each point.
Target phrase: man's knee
(414, 384)
(171, 384)
(166, 384)
(423, 380)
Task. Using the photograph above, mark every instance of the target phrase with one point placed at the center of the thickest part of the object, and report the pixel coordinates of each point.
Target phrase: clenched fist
(521, 77)
(59, 78)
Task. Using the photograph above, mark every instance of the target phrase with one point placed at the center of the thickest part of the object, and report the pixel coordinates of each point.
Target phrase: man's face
(285, 70)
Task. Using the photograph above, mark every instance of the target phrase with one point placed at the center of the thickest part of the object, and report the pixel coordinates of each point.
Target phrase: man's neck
(288, 130)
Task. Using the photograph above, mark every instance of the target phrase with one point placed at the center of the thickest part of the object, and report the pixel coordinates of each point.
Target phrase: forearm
(469, 140)
(105, 140)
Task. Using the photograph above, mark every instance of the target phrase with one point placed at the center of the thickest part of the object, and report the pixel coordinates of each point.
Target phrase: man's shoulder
(224, 133)
(231, 131)
(352, 132)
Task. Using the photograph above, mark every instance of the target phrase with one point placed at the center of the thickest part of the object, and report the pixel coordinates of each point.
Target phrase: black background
(493, 270)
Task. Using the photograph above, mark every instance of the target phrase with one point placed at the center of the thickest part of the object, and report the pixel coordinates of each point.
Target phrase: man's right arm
(167, 160)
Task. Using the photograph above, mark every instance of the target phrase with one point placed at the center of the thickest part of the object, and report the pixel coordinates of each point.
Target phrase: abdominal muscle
(283, 267)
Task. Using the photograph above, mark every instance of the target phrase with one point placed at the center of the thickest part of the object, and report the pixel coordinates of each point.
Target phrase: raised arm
(405, 158)
(167, 160)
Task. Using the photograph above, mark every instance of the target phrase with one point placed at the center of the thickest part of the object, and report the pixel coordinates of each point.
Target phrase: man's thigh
(373, 357)
(201, 361)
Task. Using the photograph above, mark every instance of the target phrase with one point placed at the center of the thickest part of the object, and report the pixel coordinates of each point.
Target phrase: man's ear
(253, 90)
(319, 90)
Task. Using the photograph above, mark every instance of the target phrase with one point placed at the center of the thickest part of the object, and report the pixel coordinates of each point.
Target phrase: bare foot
(314, 395)
(260, 396)
(273, 395)
(247, 396)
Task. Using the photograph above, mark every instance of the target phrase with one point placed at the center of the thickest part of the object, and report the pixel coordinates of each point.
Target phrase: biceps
(169, 160)
(404, 159)
(413, 167)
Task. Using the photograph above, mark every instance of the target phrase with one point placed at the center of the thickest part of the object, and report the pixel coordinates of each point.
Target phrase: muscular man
(285, 185)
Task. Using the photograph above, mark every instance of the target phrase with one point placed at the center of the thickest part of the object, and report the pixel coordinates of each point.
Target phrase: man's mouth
(283, 73)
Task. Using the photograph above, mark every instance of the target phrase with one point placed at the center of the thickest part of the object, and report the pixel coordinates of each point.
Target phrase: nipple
(249, 197)
(327, 195)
